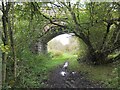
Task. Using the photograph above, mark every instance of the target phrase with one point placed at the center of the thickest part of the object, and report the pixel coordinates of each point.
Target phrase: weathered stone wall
(42, 47)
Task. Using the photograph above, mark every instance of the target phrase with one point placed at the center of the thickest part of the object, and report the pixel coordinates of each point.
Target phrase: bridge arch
(49, 34)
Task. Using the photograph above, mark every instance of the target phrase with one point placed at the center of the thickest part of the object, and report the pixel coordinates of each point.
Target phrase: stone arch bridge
(50, 32)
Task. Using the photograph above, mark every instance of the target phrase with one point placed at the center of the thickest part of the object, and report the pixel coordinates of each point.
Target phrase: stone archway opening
(64, 45)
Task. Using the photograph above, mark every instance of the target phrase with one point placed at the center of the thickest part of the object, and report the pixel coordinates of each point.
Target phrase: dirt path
(77, 80)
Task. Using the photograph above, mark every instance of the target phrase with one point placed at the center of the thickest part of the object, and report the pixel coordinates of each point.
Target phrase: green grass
(43, 66)
(101, 73)
(97, 73)
(54, 62)
(36, 68)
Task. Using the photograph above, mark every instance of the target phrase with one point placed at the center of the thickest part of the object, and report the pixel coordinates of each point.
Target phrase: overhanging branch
(50, 20)
(72, 14)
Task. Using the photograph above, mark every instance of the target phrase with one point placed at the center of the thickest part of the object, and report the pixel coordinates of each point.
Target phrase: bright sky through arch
(64, 38)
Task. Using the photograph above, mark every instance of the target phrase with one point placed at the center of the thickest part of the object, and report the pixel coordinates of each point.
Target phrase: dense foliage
(97, 25)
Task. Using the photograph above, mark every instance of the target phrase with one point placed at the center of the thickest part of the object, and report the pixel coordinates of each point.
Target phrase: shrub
(31, 70)
(114, 82)
(56, 53)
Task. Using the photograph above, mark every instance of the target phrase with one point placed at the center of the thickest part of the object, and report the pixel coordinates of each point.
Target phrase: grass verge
(101, 73)
(39, 70)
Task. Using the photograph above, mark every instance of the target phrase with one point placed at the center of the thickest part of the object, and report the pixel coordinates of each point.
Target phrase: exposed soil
(77, 80)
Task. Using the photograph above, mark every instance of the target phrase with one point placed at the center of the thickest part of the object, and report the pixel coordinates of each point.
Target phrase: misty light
(64, 38)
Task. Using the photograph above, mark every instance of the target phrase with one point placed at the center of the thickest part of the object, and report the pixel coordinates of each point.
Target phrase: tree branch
(72, 14)
(36, 8)
(108, 51)
(8, 7)
(105, 36)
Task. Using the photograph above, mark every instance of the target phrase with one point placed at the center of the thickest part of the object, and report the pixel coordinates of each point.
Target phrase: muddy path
(70, 80)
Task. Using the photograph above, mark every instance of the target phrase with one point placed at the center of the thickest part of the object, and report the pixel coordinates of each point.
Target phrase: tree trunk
(91, 55)
(5, 42)
(11, 27)
(4, 39)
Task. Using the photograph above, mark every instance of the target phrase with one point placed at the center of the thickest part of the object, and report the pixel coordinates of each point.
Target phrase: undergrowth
(104, 74)
(34, 70)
